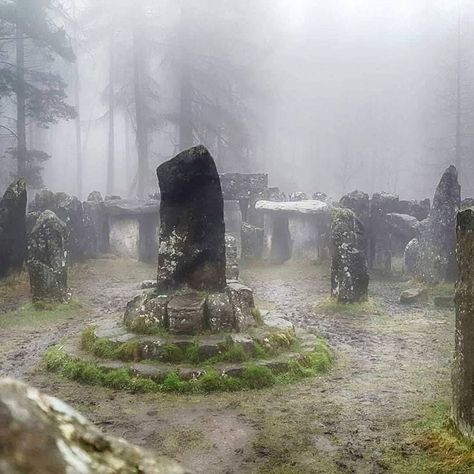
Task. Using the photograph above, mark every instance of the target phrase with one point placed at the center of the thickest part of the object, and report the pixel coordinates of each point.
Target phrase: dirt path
(391, 363)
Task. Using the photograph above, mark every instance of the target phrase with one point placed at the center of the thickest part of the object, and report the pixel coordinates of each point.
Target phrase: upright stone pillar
(192, 230)
(463, 366)
(13, 228)
(47, 259)
(436, 259)
(349, 273)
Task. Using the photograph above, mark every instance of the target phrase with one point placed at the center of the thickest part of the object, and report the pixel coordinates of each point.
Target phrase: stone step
(157, 371)
(158, 347)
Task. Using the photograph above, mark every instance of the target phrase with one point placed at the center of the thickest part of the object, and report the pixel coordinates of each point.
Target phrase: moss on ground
(434, 447)
(332, 306)
(254, 376)
(35, 315)
(230, 351)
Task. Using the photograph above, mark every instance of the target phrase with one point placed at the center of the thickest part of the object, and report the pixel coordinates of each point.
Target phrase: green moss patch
(433, 447)
(36, 315)
(267, 345)
(253, 375)
(332, 306)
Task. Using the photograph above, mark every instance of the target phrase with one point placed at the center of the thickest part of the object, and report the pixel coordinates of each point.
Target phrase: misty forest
(236, 236)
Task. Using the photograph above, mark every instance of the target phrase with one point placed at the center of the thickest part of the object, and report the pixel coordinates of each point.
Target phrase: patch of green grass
(105, 349)
(332, 306)
(173, 353)
(257, 316)
(256, 376)
(33, 315)
(434, 447)
(443, 289)
(253, 376)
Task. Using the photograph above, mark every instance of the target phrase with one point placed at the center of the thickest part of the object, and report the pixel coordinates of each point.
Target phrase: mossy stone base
(270, 351)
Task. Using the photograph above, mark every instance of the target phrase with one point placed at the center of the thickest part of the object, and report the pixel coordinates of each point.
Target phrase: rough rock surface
(147, 312)
(231, 255)
(436, 258)
(414, 295)
(359, 203)
(13, 228)
(241, 298)
(411, 255)
(251, 238)
(44, 435)
(320, 196)
(463, 365)
(186, 313)
(402, 226)
(81, 238)
(220, 313)
(349, 274)
(192, 242)
(96, 223)
(297, 196)
(47, 258)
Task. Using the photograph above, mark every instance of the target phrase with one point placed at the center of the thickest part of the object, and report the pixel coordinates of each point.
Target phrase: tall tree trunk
(20, 103)
(185, 84)
(141, 114)
(458, 158)
(77, 94)
(126, 126)
(111, 147)
(185, 109)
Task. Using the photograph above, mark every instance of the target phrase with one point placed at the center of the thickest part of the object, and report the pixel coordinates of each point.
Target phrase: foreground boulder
(47, 259)
(463, 365)
(42, 434)
(436, 260)
(13, 228)
(349, 273)
(192, 230)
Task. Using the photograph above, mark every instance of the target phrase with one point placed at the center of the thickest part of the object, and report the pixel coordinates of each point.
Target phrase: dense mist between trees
(326, 96)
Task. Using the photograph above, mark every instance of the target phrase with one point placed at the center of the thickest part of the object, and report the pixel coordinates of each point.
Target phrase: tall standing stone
(47, 259)
(192, 229)
(436, 259)
(13, 228)
(349, 273)
(463, 366)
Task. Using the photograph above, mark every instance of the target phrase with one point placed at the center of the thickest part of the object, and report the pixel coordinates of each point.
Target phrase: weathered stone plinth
(12, 228)
(273, 345)
(192, 245)
(463, 366)
(42, 434)
(190, 312)
(349, 274)
(47, 259)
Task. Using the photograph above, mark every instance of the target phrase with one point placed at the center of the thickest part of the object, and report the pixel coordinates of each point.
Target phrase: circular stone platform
(109, 354)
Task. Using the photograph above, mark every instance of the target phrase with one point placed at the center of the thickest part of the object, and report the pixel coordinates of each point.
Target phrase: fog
(323, 96)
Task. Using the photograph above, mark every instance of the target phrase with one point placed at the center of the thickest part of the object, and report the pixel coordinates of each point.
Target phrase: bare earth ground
(393, 362)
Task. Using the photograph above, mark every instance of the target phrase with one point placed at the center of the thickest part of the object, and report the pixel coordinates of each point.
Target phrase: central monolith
(192, 231)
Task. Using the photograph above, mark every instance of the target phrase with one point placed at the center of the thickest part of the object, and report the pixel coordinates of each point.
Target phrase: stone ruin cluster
(197, 291)
(381, 232)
